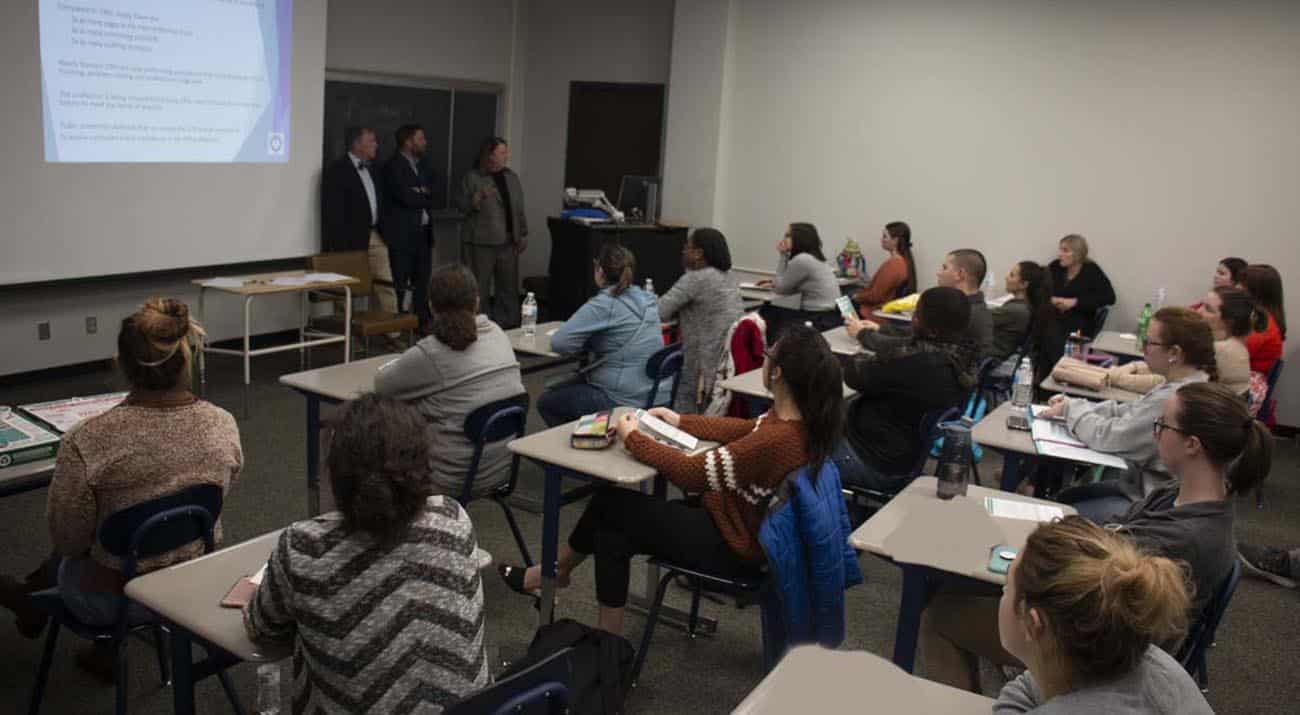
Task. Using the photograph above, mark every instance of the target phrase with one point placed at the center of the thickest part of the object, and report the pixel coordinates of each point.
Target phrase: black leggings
(619, 524)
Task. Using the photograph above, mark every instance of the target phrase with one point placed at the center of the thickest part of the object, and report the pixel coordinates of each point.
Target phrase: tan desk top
(751, 384)
(953, 535)
(613, 464)
(991, 431)
(345, 381)
(189, 594)
(841, 343)
(814, 679)
(30, 470)
(539, 344)
(1113, 342)
(1110, 393)
(260, 283)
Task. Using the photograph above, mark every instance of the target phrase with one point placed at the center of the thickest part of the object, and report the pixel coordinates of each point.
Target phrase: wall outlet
(43, 331)
(92, 325)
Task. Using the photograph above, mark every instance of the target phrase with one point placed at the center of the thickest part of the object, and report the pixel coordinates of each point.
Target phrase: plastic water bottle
(1022, 385)
(529, 315)
(268, 689)
(650, 286)
(1144, 320)
(1160, 298)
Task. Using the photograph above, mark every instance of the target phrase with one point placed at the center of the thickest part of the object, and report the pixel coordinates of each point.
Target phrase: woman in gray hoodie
(464, 364)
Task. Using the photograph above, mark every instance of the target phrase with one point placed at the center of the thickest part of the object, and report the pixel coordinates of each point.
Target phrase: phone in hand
(1017, 421)
(240, 594)
(1000, 558)
(845, 304)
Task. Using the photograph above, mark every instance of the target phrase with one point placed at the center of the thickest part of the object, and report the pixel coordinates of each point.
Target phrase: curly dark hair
(379, 465)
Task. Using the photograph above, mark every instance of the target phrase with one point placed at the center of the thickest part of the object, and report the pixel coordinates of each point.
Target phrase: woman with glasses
(1213, 450)
(1180, 348)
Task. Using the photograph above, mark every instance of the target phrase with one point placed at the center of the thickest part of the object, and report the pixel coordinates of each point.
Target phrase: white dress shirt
(368, 182)
(415, 166)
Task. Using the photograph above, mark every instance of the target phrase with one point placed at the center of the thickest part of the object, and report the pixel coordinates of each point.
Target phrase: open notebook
(1052, 438)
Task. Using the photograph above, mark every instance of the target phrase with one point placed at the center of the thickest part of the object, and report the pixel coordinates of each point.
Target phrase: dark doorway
(615, 129)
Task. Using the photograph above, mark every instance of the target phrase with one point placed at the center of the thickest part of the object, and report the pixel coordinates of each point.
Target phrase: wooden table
(812, 678)
(262, 284)
(931, 539)
(188, 596)
(750, 384)
(551, 450)
(1121, 345)
(1110, 393)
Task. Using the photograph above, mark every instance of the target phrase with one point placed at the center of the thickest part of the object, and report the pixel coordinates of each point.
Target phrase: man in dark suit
(406, 225)
(349, 202)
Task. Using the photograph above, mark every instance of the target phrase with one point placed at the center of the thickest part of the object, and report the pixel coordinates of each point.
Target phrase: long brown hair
(453, 295)
(1229, 435)
(815, 379)
(1238, 312)
(1104, 601)
(1189, 330)
(153, 344)
(902, 235)
(618, 266)
(1264, 284)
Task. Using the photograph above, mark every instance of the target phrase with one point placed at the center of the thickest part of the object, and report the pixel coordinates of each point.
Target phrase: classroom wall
(437, 39)
(1164, 132)
(577, 40)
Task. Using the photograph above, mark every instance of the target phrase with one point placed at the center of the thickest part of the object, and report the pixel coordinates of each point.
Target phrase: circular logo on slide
(5, 460)
(275, 143)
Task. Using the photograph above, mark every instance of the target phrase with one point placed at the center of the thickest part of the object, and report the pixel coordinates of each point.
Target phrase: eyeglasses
(1159, 425)
(1149, 343)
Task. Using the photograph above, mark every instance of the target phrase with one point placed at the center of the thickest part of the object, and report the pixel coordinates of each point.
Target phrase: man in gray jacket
(495, 230)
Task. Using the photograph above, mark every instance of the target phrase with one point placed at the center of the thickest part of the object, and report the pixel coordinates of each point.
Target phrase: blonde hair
(1103, 600)
(153, 345)
(1078, 246)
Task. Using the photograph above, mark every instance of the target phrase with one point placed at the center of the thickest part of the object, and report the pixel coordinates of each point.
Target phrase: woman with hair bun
(465, 362)
(393, 573)
(161, 440)
(1085, 611)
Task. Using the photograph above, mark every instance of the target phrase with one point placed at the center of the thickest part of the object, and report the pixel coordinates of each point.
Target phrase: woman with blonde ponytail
(161, 440)
(1085, 611)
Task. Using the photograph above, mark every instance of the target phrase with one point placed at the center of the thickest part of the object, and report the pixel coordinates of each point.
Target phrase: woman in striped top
(382, 599)
(735, 481)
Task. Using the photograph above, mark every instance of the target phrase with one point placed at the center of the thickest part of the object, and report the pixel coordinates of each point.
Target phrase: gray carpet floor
(1252, 669)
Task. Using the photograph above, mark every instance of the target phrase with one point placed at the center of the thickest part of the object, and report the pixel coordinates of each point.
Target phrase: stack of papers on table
(23, 441)
(1015, 509)
(326, 277)
(290, 281)
(223, 283)
(1052, 438)
(63, 415)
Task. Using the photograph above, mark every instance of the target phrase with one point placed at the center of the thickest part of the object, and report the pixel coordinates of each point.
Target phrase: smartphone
(240, 594)
(1000, 558)
(1017, 421)
(845, 304)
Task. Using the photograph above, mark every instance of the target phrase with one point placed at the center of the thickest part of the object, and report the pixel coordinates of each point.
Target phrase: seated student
(619, 326)
(931, 370)
(465, 362)
(1085, 611)
(1179, 347)
(962, 269)
(1229, 273)
(1079, 286)
(381, 599)
(705, 301)
(1030, 306)
(1214, 450)
(897, 274)
(1230, 315)
(802, 270)
(736, 481)
(160, 441)
(1264, 284)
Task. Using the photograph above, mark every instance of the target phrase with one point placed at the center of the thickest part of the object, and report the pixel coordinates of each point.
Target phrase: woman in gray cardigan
(464, 364)
(705, 301)
(495, 230)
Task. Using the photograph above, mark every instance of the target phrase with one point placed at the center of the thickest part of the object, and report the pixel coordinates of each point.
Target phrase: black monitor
(641, 193)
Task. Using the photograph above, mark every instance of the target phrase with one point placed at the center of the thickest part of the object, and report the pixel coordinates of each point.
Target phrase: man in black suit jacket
(350, 198)
(406, 225)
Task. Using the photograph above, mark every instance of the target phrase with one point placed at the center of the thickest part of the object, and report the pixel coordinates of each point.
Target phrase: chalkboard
(454, 136)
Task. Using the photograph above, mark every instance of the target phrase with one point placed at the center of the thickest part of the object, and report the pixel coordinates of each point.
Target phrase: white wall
(423, 38)
(1165, 132)
(585, 41)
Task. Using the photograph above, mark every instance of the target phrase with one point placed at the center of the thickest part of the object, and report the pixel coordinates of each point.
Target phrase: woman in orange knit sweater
(897, 272)
(735, 481)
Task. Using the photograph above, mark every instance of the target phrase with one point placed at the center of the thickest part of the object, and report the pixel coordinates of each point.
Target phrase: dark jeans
(566, 403)
(1099, 502)
(780, 319)
(857, 472)
(619, 524)
(412, 265)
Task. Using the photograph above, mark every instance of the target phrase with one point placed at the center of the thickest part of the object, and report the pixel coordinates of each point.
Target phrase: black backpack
(602, 664)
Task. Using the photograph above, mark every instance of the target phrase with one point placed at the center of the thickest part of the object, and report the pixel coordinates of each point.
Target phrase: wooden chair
(365, 323)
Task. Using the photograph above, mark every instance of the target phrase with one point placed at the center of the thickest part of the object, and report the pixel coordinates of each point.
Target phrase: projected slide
(166, 80)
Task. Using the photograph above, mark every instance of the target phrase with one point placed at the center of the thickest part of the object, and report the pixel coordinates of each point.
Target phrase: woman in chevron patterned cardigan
(382, 599)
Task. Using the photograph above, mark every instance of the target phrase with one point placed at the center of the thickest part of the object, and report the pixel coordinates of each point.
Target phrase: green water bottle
(1144, 320)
